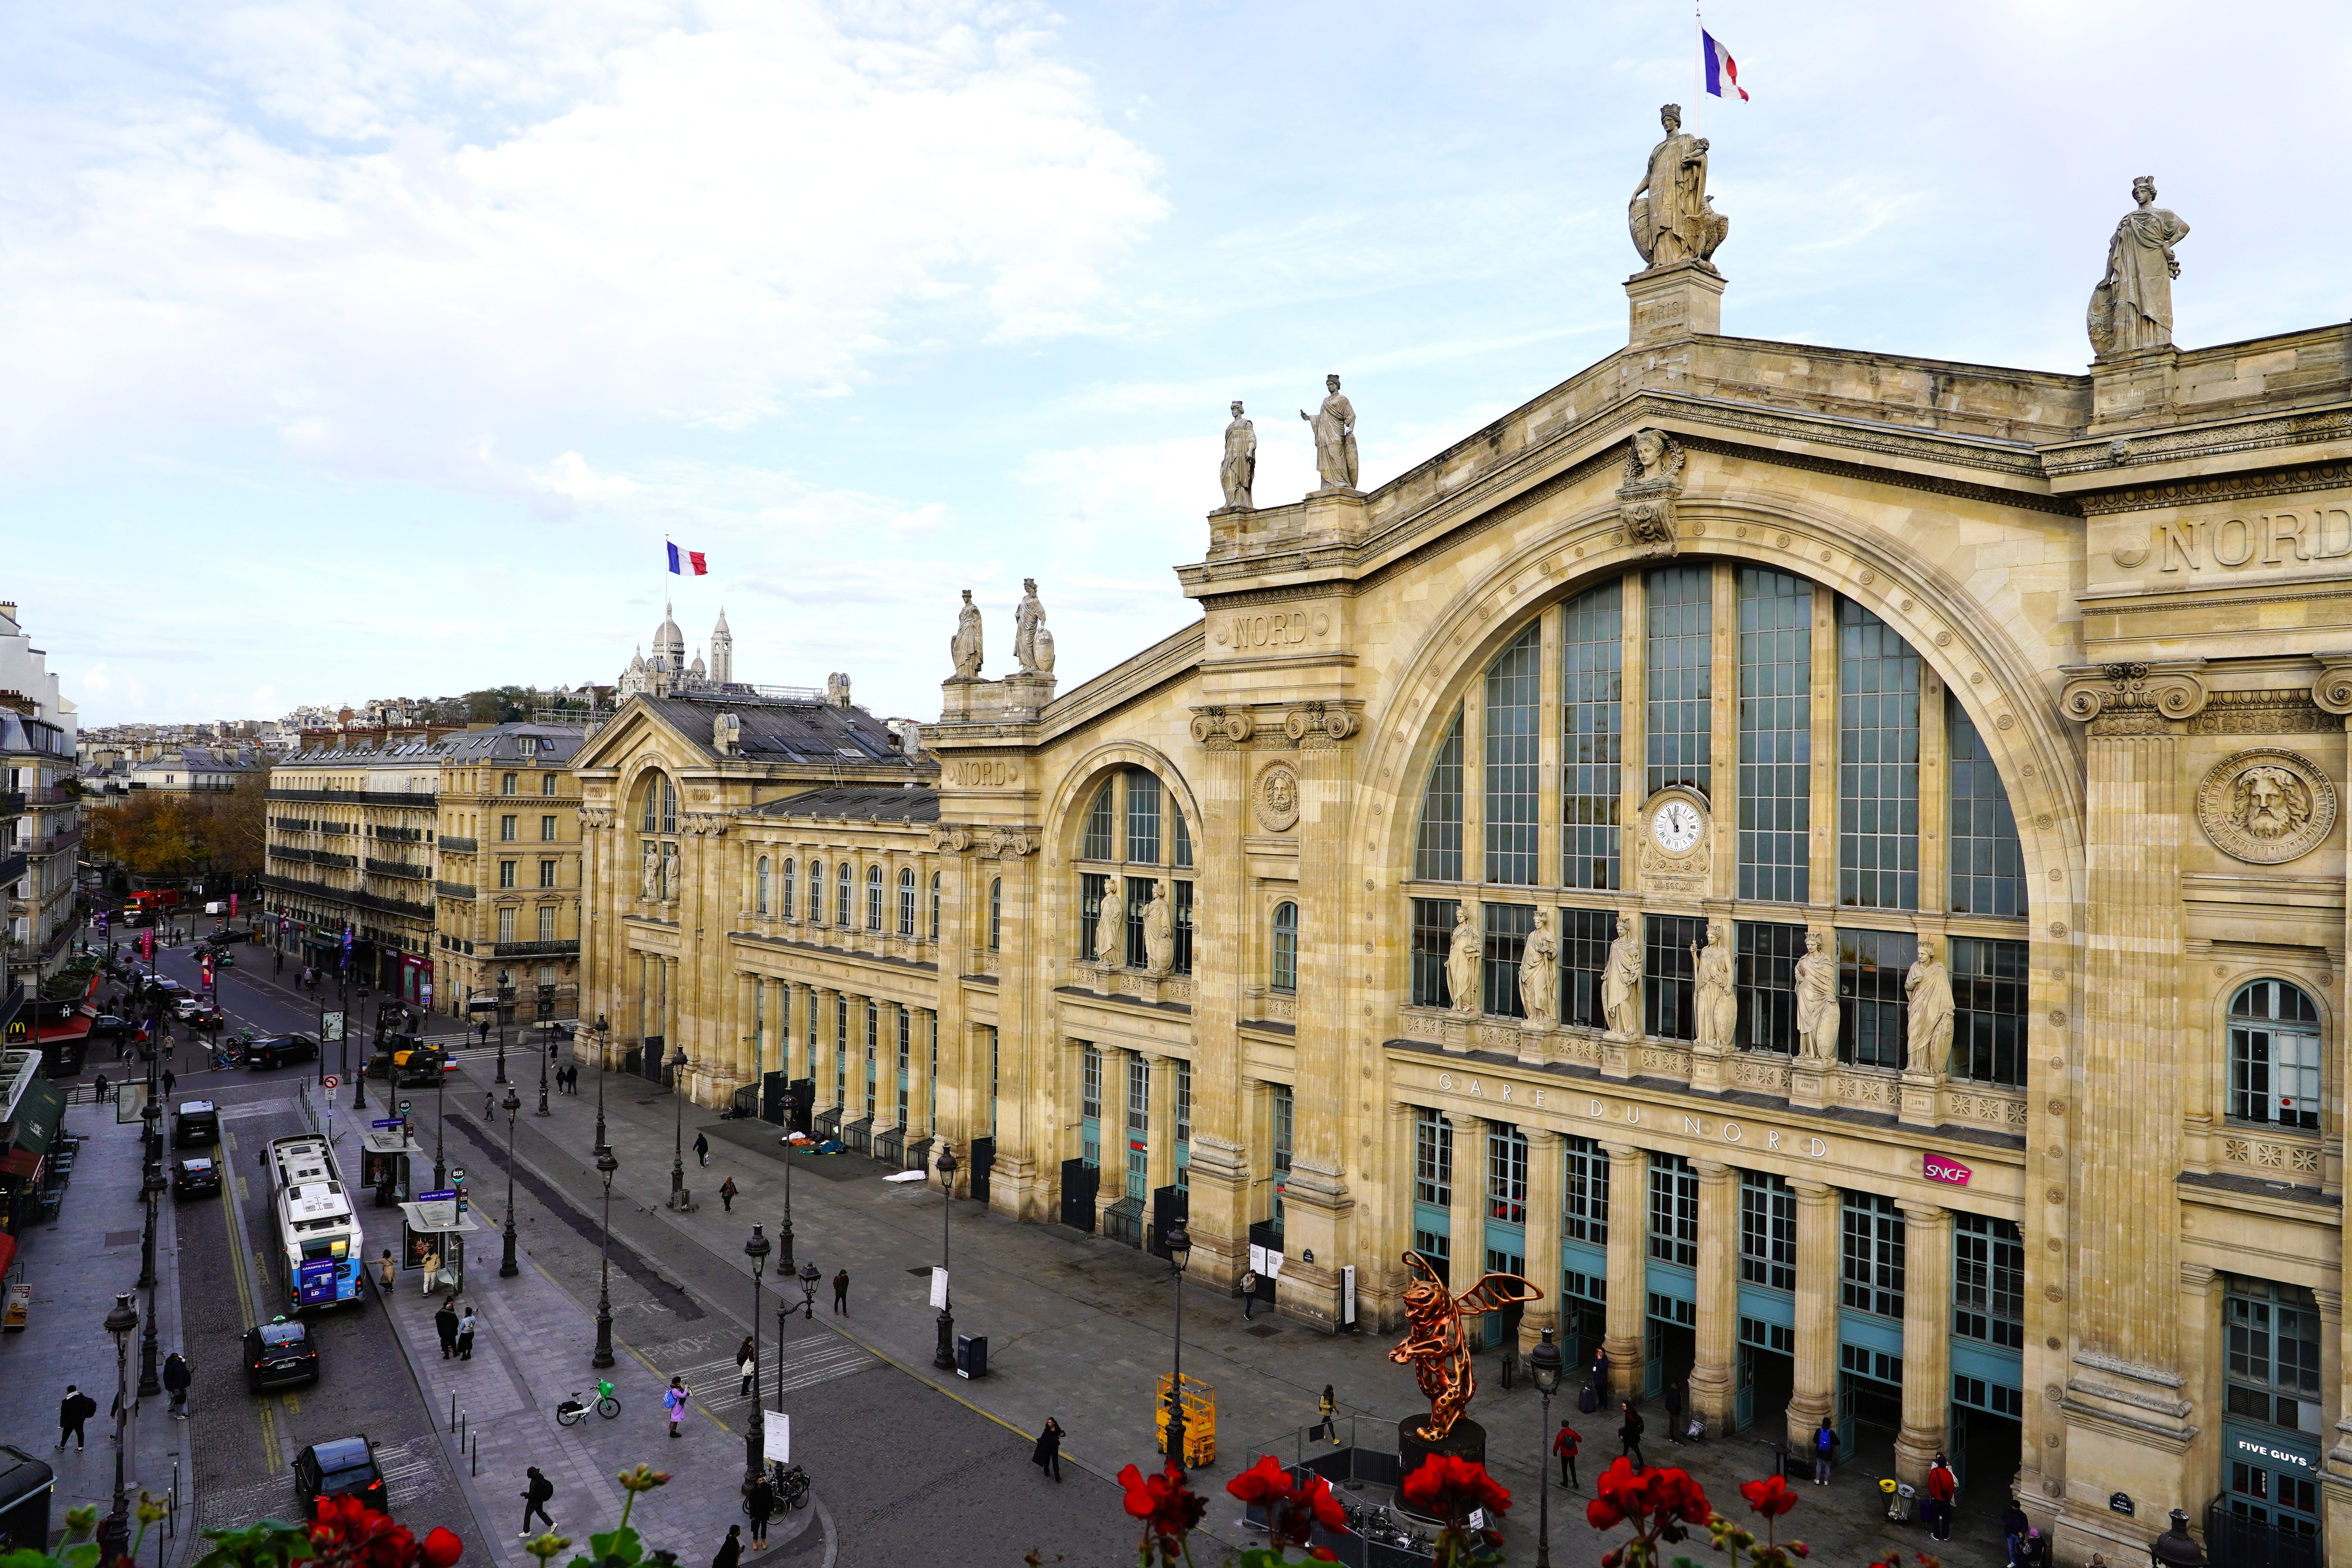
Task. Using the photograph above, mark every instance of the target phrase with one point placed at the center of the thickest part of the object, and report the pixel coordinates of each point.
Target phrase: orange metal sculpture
(1434, 1345)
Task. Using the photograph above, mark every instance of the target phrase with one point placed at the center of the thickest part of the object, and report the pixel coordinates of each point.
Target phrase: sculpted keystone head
(2272, 802)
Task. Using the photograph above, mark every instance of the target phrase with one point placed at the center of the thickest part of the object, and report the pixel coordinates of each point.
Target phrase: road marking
(229, 1218)
(293, 1404)
(240, 1189)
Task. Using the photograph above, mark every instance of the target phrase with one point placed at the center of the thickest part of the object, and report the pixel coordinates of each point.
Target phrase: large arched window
(1284, 975)
(787, 895)
(1757, 744)
(759, 890)
(906, 902)
(658, 846)
(2274, 1064)
(935, 906)
(841, 913)
(1134, 846)
(873, 898)
(816, 892)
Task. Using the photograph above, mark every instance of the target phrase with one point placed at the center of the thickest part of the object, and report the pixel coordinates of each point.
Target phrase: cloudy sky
(358, 351)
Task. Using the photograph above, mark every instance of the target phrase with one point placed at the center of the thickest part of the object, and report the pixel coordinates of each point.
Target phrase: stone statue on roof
(964, 647)
(2132, 307)
(1670, 216)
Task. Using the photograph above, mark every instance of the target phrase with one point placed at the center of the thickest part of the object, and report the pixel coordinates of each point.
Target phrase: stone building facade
(506, 872)
(1827, 862)
(351, 848)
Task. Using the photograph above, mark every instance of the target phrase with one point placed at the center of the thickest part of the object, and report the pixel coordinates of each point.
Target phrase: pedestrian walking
(760, 1501)
(1675, 1411)
(466, 1335)
(726, 1195)
(747, 1362)
(74, 1409)
(1047, 1454)
(537, 1492)
(1942, 1487)
(170, 1078)
(176, 1382)
(486, 1031)
(673, 1400)
(1328, 1427)
(1564, 1445)
(383, 1267)
(431, 1270)
(1824, 1450)
(98, 1090)
(701, 1149)
(489, 1105)
(444, 1324)
(730, 1551)
(1249, 1293)
(840, 1294)
(1630, 1436)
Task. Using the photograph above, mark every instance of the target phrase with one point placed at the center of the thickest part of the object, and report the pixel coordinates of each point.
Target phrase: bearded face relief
(2266, 806)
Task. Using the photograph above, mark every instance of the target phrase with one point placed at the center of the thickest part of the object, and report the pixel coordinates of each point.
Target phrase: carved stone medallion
(1277, 798)
(2266, 806)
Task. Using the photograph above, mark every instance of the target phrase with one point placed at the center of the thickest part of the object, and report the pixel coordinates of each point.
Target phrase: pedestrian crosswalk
(406, 1468)
(717, 1384)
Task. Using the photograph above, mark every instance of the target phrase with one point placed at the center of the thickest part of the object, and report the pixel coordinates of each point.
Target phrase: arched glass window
(1182, 858)
(1514, 759)
(1101, 839)
(1143, 818)
(873, 898)
(659, 813)
(2275, 1057)
(816, 892)
(759, 890)
(1437, 858)
(657, 820)
(906, 902)
(995, 913)
(935, 906)
(789, 895)
(1285, 949)
(842, 914)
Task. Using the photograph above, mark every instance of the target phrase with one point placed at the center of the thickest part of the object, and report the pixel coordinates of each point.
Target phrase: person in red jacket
(1941, 1486)
(1565, 1445)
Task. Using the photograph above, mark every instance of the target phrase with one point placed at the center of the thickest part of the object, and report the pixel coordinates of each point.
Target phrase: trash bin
(971, 1355)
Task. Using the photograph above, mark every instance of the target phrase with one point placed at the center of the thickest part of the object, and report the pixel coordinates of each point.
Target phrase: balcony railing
(400, 835)
(536, 948)
(457, 846)
(49, 844)
(12, 867)
(396, 869)
(419, 800)
(12, 803)
(454, 889)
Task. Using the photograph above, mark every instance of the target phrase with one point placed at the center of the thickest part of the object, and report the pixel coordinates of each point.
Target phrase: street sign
(939, 1290)
(386, 1121)
(446, 1195)
(330, 1026)
(776, 1440)
(330, 1081)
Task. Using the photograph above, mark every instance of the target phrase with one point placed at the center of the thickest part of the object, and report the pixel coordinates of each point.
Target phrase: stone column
(1814, 1393)
(1160, 1165)
(1714, 1379)
(922, 1115)
(1112, 1187)
(1220, 1199)
(1317, 1205)
(821, 999)
(885, 1059)
(1927, 1340)
(1379, 1289)
(2333, 693)
(1629, 1268)
(751, 1024)
(1545, 1207)
(1466, 1217)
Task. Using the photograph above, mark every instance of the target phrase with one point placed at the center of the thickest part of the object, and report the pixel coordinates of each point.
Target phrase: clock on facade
(1675, 825)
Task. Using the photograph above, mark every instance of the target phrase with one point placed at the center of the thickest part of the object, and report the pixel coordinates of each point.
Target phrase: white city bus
(320, 1245)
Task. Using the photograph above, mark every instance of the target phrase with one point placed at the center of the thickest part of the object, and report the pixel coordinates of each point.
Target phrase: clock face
(1675, 825)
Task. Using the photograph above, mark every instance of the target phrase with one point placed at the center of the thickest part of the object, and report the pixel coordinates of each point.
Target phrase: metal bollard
(478, 1453)
(461, 1430)
(453, 1412)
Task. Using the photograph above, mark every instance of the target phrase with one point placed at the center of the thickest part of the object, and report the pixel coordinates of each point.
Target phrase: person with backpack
(1630, 1435)
(1824, 1450)
(1249, 1293)
(535, 1492)
(1564, 1445)
(726, 1195)
(673, 1400)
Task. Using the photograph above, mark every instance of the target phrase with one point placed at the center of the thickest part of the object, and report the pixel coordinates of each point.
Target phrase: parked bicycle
(573, 1411)
(790, 1484)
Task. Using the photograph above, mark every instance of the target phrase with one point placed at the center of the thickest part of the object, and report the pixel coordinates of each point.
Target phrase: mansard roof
(860, 803)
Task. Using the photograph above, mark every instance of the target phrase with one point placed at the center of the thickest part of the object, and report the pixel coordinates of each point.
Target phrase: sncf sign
(1936, 1168)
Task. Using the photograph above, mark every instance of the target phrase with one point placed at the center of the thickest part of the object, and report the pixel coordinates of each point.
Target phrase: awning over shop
(39, 1114)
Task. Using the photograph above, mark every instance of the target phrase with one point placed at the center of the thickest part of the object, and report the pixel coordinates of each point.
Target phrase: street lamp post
(120, 1323)
(808, 1293)
(944, 1357)
(1180, 1253)
(784, 1231)
(606, 1164)
(508, 1268)
(1545, 1360)
(547, 1039)
(151, 1114)
(358, 1078)
(756, 1250)
(440, 1084)
(679, 1199)
(506, 1011)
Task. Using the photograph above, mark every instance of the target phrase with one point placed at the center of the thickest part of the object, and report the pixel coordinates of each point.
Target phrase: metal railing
(454, 889)
(397, 868)
(2242, 1542)
(536, 948)
(456, 845)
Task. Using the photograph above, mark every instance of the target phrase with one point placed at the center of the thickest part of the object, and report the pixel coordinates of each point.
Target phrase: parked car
(196, 1123)
(196, 1176)
(280, 1050)
(343, 1467)
(208, 1018)
(283, 1351)
(107, 1027)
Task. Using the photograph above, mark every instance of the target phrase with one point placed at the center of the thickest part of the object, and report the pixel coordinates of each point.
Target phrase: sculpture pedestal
(1668, 304)
(1807, 1083)
(1466, 1441)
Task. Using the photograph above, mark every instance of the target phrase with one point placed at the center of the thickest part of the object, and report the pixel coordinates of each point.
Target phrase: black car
(344, 1468)
(195, 1125)
(280, 1050)
(196, 1176)
(282, 1352)
(107, 1027)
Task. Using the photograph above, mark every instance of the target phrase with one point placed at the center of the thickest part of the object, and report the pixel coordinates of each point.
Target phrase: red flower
(1656, 1500)
(1168, 1507)
(1291, 1511)
(442, 1548)
(347, 1533)
(1451, 1489)
(1261, 1483)
(1769, 1496)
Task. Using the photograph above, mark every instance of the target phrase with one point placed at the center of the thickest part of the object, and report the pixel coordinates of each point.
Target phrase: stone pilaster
(1713, 1379)
(922, 1115)
(1466, 1217)
(825, 998)
(1629, 1267)
(1814, 1391)
(1160, 1165)
(1113, 1185)
(1317, 1208)
(1545, 1206)
(1219, 1203)
(2333, 693)
(1927, 1340)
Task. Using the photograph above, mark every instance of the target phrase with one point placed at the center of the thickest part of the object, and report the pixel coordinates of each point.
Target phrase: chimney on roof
(909, 734)
(836, 690)
(727, 734)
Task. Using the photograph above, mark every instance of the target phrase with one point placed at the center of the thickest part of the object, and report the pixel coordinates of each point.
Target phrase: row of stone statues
(1033, 645)
(1714, 999)
(1158, 915)
(1335, 464)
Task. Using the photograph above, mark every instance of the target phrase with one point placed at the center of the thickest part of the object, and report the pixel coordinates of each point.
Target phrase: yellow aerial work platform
(1200, 1422)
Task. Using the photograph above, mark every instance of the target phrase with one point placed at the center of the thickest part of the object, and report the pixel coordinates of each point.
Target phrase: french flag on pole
(694, 558)
(1720, 68)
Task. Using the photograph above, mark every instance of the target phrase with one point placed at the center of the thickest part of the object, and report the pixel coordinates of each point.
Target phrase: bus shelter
(434, 1226)
(387, 1153)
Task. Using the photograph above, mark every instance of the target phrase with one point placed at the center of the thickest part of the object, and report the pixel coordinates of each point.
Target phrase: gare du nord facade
(2007, 696)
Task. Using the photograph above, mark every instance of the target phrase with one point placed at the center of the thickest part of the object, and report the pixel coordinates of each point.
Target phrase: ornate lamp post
(679, 1199)
(756, 1250)
(440, 1170)
(944, 1357)
(1545, 1359)
(606, 1164)
(120, 1323)
(808, 1293)
(508, 1268)
(358, 1078)
(547, 1039)
(1180, 1253)
(506, 1011)
(2175, 1547)
(784, 1231)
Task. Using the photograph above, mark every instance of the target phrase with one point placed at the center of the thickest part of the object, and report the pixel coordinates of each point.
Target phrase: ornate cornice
(1315, 723)
(2231, 487)
(2263, 713)
(2206, 441)
(2134, 699)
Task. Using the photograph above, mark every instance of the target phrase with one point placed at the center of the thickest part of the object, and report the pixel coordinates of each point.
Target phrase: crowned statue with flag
(1671, 218)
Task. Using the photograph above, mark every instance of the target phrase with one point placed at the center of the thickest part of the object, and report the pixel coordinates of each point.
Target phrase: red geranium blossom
(347, 1532)
(1654, 1499)
(1167, 1506)
(1769, 1496)
(1291, 1512)
(1450, 1489)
